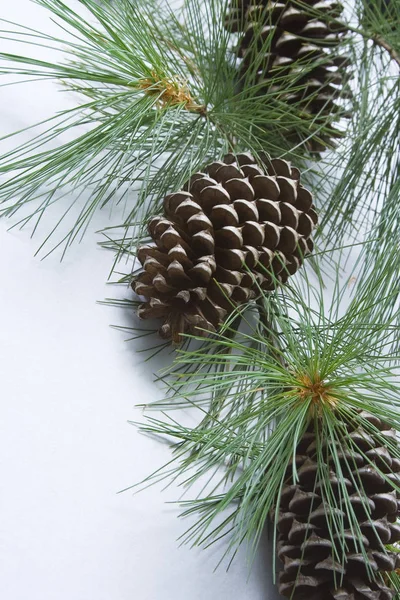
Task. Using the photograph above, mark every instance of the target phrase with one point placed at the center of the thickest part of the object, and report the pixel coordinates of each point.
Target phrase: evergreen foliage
(159, 96)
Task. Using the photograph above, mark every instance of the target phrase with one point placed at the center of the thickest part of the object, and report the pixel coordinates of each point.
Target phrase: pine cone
(305, 545)
(234, 229)
(300, 53)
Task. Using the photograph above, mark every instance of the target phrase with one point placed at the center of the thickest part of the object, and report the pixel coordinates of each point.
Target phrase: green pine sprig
(132, 141)
(251, 392)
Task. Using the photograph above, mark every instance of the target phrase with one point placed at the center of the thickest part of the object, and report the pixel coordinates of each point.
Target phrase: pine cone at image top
(310, 571)
(299, 41)
(234, 229)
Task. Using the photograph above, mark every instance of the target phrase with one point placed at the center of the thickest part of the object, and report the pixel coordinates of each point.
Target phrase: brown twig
(377, 39)
(380, 41)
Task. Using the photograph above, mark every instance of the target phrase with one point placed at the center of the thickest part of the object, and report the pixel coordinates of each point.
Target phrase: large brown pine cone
(310, 572)
(298, 41)
(236, 228)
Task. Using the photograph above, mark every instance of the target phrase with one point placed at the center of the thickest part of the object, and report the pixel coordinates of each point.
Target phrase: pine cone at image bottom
(304, 522)
(234, 229)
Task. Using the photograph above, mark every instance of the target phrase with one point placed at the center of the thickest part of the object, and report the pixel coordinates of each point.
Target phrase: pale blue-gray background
(68, 385)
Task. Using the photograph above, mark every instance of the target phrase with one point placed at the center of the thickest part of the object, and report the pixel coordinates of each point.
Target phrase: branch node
(172, 91)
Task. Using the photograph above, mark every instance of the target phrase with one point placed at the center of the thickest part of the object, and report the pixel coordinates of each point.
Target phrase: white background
(68, 386)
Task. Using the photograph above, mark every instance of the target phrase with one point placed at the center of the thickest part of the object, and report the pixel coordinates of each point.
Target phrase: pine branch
(377, 38)
(393, 53)
(254, 410)
(119, 54)
(161, 97)
(379, 23)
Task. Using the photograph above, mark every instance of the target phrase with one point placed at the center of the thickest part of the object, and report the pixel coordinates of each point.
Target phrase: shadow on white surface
(69, 384)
